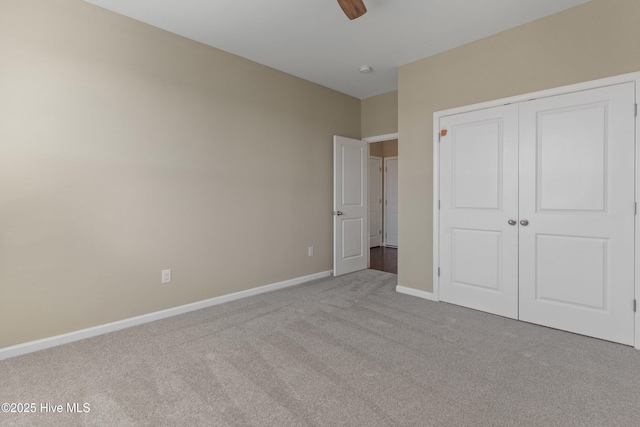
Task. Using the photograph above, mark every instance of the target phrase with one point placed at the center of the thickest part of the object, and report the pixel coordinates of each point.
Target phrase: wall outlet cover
(166, 276)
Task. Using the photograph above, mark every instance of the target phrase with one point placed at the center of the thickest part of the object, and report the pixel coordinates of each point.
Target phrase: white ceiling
(314, 40)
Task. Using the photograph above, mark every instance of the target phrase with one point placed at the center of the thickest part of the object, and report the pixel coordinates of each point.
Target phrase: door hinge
(438, 204)
(386, 202)
(386, 169)
(635, 208)
(380, 168)
(380, 232)
(438, 271)
(635, 111)
(635, 305)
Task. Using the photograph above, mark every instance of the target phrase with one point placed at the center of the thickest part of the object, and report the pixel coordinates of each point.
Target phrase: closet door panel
(479, 195)
(577, 196)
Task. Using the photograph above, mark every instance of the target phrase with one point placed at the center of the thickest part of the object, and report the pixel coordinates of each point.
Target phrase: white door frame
(371, 140)
(631, 77)
(385, 228)
(378, 186)
(381, 138)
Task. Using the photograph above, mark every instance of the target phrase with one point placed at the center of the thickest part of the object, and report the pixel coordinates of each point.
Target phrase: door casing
(375, 201)
(390, 210)
(631, 77)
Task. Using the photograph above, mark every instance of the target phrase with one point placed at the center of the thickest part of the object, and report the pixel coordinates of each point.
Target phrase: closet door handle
(524, 222)
(512, 222)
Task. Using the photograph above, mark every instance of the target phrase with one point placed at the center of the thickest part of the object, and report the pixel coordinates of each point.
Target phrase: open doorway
(383, 204)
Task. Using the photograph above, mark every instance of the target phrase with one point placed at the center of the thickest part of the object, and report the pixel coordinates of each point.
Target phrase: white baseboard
(416, 293)
(32, 346)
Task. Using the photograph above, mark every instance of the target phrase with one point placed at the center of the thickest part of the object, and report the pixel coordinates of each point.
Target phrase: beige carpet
(333, 352)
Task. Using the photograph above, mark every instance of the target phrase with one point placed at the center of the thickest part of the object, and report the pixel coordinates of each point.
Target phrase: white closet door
(577, 194)
(479, 196)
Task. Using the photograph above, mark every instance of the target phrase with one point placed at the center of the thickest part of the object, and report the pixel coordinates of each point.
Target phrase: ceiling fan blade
(353, 8)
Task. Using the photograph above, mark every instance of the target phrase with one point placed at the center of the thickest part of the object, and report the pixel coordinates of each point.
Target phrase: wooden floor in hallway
(384, 258)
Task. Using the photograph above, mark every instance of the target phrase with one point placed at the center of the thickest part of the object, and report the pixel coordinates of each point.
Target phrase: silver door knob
(512, 222)
(524, 222)
(339, 213)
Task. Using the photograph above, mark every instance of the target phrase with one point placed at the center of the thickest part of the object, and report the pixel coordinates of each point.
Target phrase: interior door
(375, 201)
(577, 212)
(479, 210)
(391, 201)
(350, 205)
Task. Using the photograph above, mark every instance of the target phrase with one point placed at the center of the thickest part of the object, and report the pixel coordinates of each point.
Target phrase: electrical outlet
(310, 250)
(166, 276)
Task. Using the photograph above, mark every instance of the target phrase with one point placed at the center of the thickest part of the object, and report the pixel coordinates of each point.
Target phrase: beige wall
(591, 41)
(380, 115)
(125, 150)
(384, 148)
